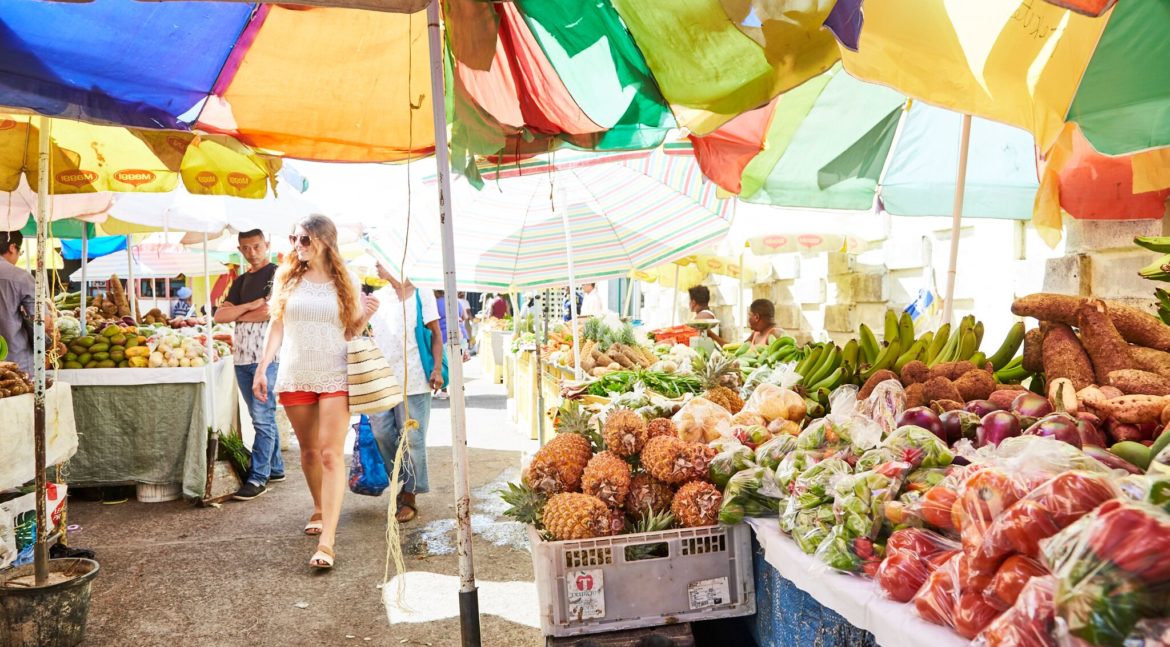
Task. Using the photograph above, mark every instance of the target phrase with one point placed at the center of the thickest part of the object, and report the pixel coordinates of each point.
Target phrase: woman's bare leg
(305, 422)
(333, 424)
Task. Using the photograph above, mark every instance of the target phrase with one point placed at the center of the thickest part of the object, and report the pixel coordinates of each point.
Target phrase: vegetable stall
(904, 488)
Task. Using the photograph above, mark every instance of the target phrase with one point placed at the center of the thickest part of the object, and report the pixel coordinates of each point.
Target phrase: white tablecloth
(135, 376)
(16, 434)
(855, 598)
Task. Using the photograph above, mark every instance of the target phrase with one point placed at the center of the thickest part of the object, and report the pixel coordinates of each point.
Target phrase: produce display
(13, 381)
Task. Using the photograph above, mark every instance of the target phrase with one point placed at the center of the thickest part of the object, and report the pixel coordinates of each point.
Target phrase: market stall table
(16, 434)
(492, 349)
(148, 425)
(852, 610)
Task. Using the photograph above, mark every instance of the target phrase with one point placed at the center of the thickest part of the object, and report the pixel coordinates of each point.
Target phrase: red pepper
(1136, 539)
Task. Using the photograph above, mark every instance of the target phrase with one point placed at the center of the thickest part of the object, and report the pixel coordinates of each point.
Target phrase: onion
(1032, 405)
(922, 417)
(996, 426)
(1111, 460)
(959, 425)
(1060, 426)
(981, 407)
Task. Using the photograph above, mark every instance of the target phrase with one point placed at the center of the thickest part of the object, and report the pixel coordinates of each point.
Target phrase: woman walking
(316, 308)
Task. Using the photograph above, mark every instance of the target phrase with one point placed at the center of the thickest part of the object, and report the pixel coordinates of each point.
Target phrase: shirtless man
(761, 319)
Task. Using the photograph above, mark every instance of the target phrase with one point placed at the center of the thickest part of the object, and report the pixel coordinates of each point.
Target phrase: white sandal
(323, 558)
(315, 525)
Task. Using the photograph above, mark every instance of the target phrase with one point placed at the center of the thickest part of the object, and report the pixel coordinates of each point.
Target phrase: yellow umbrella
(692, 269)
(85, 158)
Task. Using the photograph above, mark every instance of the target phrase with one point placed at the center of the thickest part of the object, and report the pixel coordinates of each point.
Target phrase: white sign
(586, 594)
(709, 593)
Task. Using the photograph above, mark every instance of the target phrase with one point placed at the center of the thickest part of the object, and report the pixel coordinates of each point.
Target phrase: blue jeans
(387, 429)
(266, 459)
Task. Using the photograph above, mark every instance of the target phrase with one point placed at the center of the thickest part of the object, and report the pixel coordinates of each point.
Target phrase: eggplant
(996, 426)
(1089, 427)
(981, 407)
(924, 417)
(1032, 405)
(1060, 426)
(1111, 460)
(959, 425)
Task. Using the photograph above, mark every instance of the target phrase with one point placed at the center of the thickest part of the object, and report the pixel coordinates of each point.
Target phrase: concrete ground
(237, 575)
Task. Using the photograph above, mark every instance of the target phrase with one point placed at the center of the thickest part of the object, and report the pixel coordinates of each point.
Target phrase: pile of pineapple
(625, 475)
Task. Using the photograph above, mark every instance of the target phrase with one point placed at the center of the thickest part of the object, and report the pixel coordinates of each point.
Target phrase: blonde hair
(324, 232)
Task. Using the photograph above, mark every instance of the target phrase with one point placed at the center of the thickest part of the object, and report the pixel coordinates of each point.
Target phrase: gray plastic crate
(594, 585)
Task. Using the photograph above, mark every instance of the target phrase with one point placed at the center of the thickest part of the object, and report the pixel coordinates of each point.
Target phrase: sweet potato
(1003, 398)
(952, 370)
(940, 388)
(975, 385)
(873, 381)
(915, 396)
(1134, 409)
(1135, 382)
(1065, 357)
(1107, 349)
(1110, 391)
(1154, 361)
(1034, 350)
(915, 372)
(1136, 326)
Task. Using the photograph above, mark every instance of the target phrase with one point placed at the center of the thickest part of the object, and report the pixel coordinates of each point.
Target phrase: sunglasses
(305, 241)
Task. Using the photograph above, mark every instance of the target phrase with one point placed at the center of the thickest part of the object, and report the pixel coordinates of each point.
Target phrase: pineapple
(570, 515)
(660, 427)
(697, 504)
(625, 432)
(665, 458)
(720, 378)
(699, 457)
(617, 522)
(572, 418)
(559, 465)
(525, 504)
(650, 522)
(647, 495)
(607, 477)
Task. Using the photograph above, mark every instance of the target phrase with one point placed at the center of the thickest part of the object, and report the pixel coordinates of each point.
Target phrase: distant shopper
(761, 319)
(315, 308)
(701, 310)
(498, 307)
(591, 304)
(182, 305)
(246, 304)
(17, 290)
(393, 333)
(466, 321)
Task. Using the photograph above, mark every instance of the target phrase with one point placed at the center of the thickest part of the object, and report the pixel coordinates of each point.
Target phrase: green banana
(869, 344)
(937, 343)
(891, 333)
(1012, 375)
(905, 330)
(978, 334)
(805, 365)
(950, 349)
(979, 359)
(1163, 298)
(967, 346)
(915, 352)
(851, 352)
(884, 360)
(1160, 244)
(829, 363)
(1011, 344)
(927, 339)
(830, 381)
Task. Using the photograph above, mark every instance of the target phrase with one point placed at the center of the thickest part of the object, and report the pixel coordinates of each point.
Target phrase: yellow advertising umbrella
(85, 158)
(691, 270)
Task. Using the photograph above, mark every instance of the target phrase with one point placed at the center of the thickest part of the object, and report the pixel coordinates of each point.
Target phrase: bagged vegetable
(842, 551)
(903, 572)
(1151, 488)
(795, 463)
(935, 602)
(752, 493)
(814, 486)
(910, 444)
(810, 527)
(771, 453)
(752, 437)
(884, 405)
(1029, 622)
(858, 507)
(730, 461)
(700, 420)
(776, 403)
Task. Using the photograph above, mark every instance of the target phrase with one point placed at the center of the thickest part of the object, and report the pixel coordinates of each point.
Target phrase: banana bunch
(781, 350)
(948, 344)
(1159, 270)
(827, 366)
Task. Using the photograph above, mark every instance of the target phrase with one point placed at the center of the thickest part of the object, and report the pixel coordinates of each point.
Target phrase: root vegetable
(943, 406)
(1065, 357)
(1003, 398)
(874, 380)
(940, 388)
(1136, 326)
(1111, 392)
(915, 396)
(1154, 361)
(915, 372)
(1134, 409)
(952, 370)
(975, 385)
(1106, 348)
(1063, 395)
(1034, 350)
(1135, 382)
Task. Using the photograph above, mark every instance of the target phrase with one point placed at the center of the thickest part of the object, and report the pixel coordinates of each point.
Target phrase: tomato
(986, 494)
(923, 543)
(1072, 495)
(973, 576)
(935, 601)
(936, 507)
(1025, 524)
(973, 613)
(1134, 539)
(1011, 578)
(902, 573)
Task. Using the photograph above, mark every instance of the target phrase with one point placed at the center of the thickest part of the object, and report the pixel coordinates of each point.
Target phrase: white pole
(572, 289)
(84, 271)
(627, 307)
(468, 595)
(674, 300)
(40, 549)
(956, 219)
(209, 400)
(130, 276)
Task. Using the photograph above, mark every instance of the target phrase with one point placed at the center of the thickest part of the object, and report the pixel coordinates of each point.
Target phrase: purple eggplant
(1032, 405)
(1060, 426)
(981, 407)
(959, 425)
(1111, 460)
(922, 417)
(996, 426)
(1089, 427)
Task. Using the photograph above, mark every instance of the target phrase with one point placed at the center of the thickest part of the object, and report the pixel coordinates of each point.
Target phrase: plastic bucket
(48, 616)
(155, 493)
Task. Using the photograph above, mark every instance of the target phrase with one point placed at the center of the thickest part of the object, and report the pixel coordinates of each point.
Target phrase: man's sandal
(315, 525)
(407, 510)
(323, 558)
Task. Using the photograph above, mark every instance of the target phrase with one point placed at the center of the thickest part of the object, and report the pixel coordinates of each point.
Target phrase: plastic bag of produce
(752, 436)
(700, 420)
(884, 405)
(810, 527)
(1112, 569)
(793, 464)
(776, 403)
(752, 493)
(814, 486)
(729, 462)
(841, 551)
(771, 453)
(1011, 578)
(913, 445)
(935, 602)
(859, 508)
(1151, 488)
(1029, 622)
(911, 556)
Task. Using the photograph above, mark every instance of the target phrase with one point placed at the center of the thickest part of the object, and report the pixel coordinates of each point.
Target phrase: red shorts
(298, 398)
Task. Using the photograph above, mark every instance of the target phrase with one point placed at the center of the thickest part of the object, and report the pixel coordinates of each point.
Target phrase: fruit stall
(904, 488)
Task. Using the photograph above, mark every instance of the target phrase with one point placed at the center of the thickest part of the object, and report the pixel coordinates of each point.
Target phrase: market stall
(16, 465)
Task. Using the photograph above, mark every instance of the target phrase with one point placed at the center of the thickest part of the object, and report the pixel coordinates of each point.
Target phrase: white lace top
(313, 351)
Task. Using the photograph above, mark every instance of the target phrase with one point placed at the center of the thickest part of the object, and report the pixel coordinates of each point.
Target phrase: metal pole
(542, 329)
(956, 219)
(468, 594)
(40, 549)
(572, 290)
(84, 270)
(209, 401)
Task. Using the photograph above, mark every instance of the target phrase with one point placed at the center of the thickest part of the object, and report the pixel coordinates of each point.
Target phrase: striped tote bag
(372, 386)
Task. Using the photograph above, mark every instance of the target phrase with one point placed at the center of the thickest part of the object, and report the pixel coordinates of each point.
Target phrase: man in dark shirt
(246, 304)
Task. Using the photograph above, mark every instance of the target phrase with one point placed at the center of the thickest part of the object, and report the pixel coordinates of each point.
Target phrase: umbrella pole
(130, 275)
(628, 308)
(41, 548)
(209, 400)
(674, 301)
(84, 271)
(542, 329)
(956, 219)
(572, 292)
(468, 594)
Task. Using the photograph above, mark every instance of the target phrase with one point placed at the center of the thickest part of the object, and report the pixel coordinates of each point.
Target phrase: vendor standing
(762, 321)
(16, 302)
(701, 310)
(246, 304)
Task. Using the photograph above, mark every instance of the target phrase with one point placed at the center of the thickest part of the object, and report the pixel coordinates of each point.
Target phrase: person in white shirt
(591, 305)
(394, 324)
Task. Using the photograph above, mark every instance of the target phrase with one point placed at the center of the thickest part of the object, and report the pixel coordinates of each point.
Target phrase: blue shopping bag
(367, 471)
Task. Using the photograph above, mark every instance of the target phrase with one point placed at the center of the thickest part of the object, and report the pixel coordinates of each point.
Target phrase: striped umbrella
(603, 216)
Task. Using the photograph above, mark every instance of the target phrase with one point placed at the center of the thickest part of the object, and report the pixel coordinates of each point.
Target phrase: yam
(940, 388)
(1034, 351)
(1135, 382)
(1110, 391)
(975, 385)
(1136, 326)
(1010, 387)
(952, 370)
(1003, 398)
(915, 395)
(943, 406)
(1154, 361)
(915, 372)
(873, 381)
(1107, 349)
(1045, 306)
(1134, 409)
(1065, 357)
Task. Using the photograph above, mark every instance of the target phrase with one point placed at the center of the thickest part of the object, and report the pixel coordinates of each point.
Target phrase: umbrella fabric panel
(95, 247)
(62, 229)
(149, 265)
(115, 61)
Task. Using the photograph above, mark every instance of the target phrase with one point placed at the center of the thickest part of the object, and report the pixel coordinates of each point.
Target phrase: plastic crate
(595, 585)
(676, 335)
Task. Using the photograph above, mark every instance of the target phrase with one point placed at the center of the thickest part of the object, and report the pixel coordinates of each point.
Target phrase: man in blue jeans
(246, 304)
